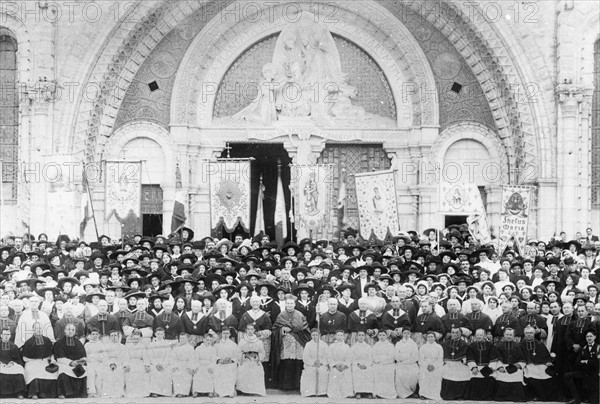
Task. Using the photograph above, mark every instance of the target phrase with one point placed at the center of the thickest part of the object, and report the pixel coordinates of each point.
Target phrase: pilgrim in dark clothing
(539, 383)
(37, 352)
(509, 366)
(480, 355)
(12, 372)
(70, 356)
(585, 370)
(455, 373)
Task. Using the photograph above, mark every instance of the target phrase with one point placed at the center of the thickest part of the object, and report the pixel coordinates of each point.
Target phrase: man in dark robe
(478, 319)
(104, 321)
(539, 369)
(559, 346)
(168, 321)
(506, 320)
(331, 321)
(6, 322)
(364, 320)
(586, 370)
(455, 319)
(221, 320)
(428, 321)
(576, 332)
(140, 320)
(509, 366)
(535, 320)
(195, 323)
(12, 373)
(69, 318)
(455, 373)
(480, 354)
(70, 355)
(37, 354)
(395, 320)
(290, 335)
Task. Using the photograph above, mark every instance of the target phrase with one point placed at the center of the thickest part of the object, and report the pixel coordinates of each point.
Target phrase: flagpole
(87, 185)
(1, 192)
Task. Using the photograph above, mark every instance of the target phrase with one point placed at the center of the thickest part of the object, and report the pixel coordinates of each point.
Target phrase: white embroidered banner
(460, 198)
(514, 218)
(377, 206)
(229, 193)
(313, 185)
(123, 188)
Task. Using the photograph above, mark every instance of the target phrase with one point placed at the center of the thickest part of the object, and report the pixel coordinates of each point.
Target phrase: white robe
(225, 375)
(340, 383)
(137, 380)
(362, 353)
(406, 354)
(159, 354)
(383, 369)
(250, 373)
(205, 360)
(308, 380)
(430, 383)
(182, 363)
(95, 352)
(113, 380)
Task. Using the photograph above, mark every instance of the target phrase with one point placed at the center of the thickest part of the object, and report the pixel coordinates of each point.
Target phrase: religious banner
(123, 189)
(459, 198)
(230, 193)
(514, 219)
(313, 203)
(377, 206)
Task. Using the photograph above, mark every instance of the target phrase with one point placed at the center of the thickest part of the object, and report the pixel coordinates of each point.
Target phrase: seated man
(539, 384)
(586, 370)
(509, 366)
(12, 373)
(340, 374)
(455, 373)
(40, 373)
(362, 366)
(71, 358)
(479, 356)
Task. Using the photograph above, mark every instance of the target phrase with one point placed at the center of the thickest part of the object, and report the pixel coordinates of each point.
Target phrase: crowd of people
(433, 315)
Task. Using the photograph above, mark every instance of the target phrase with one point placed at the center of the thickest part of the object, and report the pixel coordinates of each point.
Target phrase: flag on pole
(85, 204)
(280, 211)
(178, 218)
(259, 221)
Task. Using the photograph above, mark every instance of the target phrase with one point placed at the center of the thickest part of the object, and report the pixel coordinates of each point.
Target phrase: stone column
(573, 145)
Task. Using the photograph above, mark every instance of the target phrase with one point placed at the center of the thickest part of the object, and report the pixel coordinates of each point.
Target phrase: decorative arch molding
(20, 33)
(477, 132)
(585, 51)
(486, 52)
(363, 22)
(145, 129)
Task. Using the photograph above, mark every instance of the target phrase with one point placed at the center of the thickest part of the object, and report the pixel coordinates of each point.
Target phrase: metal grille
(354, 159)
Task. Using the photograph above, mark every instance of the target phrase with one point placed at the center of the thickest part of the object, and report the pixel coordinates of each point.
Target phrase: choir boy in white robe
(159, 355)
(228, 357)
(340, 373)
(95, 357)
(315, 375)
(136, 366)
(182, 364)
(205, 359)
(362, 366)
(383, 367)
(113, 375)
(406, 354)
(431, 361)
(251, 376)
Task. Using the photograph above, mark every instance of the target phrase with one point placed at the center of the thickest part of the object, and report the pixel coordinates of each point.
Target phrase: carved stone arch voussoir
(479, 133)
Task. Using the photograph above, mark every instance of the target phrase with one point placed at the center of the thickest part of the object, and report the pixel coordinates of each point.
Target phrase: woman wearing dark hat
(241, 300)
(346, 304)
(305, 303)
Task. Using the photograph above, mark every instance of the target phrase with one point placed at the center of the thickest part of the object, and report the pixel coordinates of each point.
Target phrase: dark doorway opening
(152, 225)
(266, 158)
(455, 220)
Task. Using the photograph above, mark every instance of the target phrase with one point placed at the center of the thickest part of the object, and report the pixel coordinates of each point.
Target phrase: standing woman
(406, 354)
(262, 329)
(137, 367)
(182, 363)
(37, 354)
(250, 376)
(431, 360)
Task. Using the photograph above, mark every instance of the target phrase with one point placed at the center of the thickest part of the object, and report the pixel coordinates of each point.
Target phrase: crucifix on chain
(228, 148)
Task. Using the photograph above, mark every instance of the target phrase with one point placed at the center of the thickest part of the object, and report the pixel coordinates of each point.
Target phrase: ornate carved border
(472, 131)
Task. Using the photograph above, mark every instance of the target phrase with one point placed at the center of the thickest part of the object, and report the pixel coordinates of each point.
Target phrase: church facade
(491, 93)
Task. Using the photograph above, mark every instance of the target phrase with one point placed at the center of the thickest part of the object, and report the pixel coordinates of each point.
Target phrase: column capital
(572, 96)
